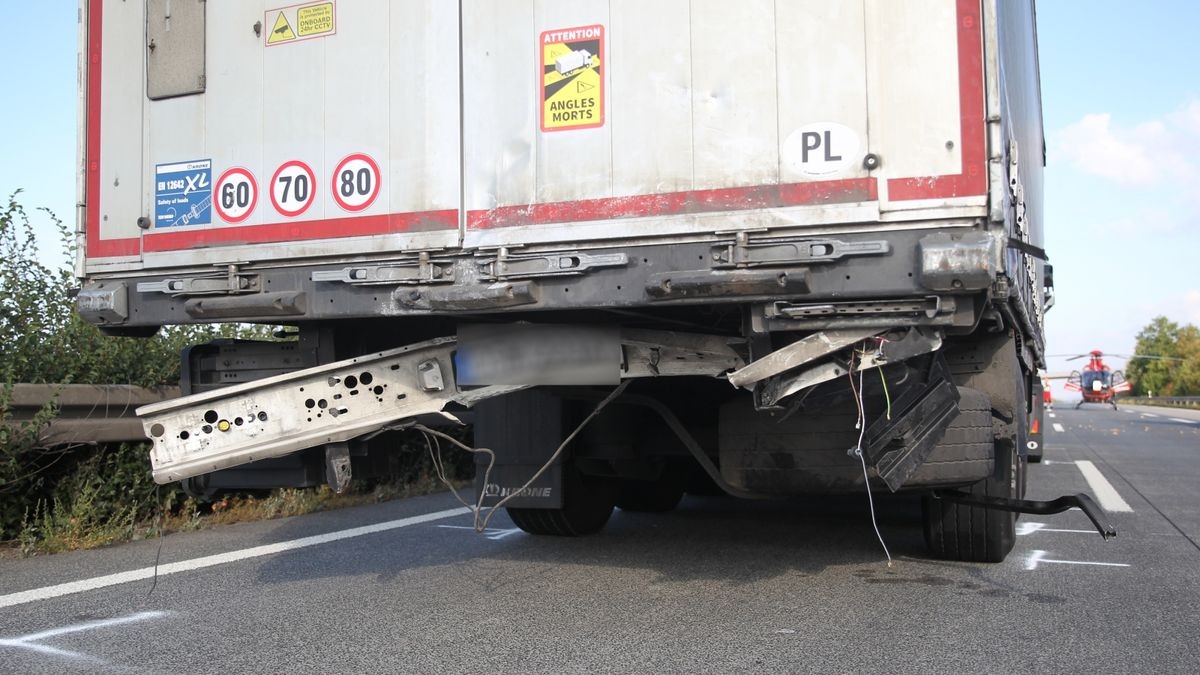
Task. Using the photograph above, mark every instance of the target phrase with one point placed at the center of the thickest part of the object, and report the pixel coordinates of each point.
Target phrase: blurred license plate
(533, 354)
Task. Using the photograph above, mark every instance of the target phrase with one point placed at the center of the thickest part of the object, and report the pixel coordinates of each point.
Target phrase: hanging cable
(482, 517)
(861, 425)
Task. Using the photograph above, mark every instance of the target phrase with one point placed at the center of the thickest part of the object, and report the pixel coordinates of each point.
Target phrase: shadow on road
(707, 538)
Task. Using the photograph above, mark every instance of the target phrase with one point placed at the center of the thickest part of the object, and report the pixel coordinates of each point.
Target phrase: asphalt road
(719, 585)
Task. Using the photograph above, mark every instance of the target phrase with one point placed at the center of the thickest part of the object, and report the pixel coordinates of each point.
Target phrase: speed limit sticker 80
(355, 182)
(237, 195)
(293, 188)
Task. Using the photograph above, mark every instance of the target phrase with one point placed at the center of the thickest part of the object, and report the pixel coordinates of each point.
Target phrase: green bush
(43, 340)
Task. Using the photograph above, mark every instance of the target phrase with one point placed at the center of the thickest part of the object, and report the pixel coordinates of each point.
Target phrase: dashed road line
(1180, 419)
(72, 587)
(1058, 427)
(1149, 415)
(1105, 493)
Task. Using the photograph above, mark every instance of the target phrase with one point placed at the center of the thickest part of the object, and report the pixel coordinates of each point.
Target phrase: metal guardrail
(88, 413)
(1166, 401)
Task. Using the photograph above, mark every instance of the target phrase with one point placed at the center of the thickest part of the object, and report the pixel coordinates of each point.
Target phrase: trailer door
(235, 131)
(622, 119)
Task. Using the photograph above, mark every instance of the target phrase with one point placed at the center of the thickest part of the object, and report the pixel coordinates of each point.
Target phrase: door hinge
(231, 283)
(747, 252)
(504, 265)
(423, 270)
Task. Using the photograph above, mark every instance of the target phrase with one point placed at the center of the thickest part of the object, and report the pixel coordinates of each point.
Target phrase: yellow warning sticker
(572, 88)
(282, 32)
(315, 19)
(297, 23)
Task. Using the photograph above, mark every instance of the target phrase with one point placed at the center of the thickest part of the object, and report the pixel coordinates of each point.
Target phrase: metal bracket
(337, 466)
(230, 284)
(930, 306)
(744, 251)
(505, 265)
(423, 270)
(1083, 502)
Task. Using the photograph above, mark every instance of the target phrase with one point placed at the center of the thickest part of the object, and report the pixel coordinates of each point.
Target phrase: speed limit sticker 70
(293, 188)
(356, 182)
(236, 195)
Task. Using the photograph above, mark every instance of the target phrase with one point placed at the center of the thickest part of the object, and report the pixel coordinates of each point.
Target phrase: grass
(72, 525)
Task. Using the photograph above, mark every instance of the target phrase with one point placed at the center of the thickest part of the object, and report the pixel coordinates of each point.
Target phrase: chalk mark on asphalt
(1038, 557)
(32, 643)
(491, 532)
(1027, 528)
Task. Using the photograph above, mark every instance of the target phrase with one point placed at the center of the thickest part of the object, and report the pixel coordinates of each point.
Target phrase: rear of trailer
(779, 195)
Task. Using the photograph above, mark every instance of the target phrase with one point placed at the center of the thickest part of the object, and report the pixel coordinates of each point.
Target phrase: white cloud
(1156, 152)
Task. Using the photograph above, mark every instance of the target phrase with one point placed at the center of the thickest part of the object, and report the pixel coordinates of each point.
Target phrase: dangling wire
(482, 517)
(861, 425)
(158, 555)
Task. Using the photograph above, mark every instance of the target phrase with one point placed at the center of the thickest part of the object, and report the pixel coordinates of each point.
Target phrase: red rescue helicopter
(1098, 383)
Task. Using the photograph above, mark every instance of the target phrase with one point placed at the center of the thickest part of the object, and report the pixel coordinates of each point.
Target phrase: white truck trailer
(806, 234)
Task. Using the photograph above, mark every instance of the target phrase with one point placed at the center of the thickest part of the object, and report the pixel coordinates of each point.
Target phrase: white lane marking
(491, 532)
(1108, 496)
(1058, 427)
(1180, 419)
(1038, 557)
(71, 587)
(1030, 528)
(1149, 415)
(1052, 414)
(30, 641)
(1127, 410)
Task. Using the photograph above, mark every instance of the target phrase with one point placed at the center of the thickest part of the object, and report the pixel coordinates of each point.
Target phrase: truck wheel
(587, 505)
(972, 533)
(653, 496)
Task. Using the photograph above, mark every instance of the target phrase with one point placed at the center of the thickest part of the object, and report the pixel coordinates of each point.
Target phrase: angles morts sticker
(572, 78)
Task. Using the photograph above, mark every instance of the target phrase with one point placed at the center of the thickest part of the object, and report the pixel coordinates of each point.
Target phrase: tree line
(1178, 373)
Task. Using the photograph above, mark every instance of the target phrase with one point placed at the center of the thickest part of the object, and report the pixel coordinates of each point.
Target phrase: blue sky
(1121, 104)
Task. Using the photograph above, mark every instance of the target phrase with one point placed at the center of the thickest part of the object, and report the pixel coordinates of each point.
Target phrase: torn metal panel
(799, 353)
(915, 341)
(340, 401)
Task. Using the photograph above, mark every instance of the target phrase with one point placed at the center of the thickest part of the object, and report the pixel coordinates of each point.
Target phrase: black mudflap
(921, 410)
(522, 429)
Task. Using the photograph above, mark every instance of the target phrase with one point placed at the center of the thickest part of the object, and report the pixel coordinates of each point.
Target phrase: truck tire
(975, 534)
(653, 496)
(587, 505)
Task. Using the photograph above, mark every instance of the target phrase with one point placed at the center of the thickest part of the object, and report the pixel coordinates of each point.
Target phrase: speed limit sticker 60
(293, 188)
(356, 182)
(236, 195)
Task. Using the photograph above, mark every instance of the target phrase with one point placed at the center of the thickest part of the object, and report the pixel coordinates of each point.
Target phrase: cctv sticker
(821, 149)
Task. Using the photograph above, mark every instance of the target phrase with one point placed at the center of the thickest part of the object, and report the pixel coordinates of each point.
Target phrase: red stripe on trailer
(97, 247)
(678, 203)
(302, 230)
(972, 179)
